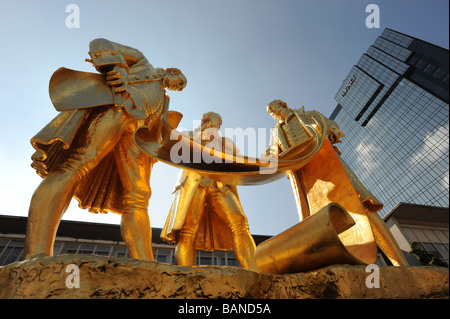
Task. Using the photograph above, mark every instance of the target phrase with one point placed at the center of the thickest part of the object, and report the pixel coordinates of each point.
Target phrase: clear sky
(238, 55)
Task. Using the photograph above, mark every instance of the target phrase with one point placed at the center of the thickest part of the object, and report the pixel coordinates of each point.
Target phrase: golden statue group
(113, 125)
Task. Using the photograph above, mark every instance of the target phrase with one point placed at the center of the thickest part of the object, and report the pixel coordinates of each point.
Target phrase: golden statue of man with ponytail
(87, 150)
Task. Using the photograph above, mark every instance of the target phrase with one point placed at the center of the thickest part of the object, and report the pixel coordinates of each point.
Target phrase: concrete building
(98, 239)
(426, 225)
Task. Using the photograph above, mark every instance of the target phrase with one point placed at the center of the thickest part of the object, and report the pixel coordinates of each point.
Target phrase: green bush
(425, 258)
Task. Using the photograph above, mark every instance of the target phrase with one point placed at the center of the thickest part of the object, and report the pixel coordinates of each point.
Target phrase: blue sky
(237, 55)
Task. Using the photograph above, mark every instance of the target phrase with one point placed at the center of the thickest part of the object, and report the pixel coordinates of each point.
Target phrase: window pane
(161, 258)
(431, 249)
(119, 251)
(443, 250)
(163, 255)
(70, 248)
(13, 252)
(86, 249)
(233, 262)
(103, 250)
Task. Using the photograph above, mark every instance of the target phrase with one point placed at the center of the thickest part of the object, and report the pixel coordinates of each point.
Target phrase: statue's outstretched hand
(118, 78)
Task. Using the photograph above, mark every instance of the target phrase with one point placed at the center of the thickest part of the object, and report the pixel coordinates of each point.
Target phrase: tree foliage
(425, 258)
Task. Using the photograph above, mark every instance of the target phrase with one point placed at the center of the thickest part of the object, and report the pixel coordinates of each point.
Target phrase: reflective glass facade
(393, 108)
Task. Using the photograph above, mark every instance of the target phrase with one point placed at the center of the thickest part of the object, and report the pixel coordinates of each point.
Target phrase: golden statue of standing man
(207, 214)
(87, 150)
(326, 179)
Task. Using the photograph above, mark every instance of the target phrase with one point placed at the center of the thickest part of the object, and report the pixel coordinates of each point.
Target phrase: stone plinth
(102, 277)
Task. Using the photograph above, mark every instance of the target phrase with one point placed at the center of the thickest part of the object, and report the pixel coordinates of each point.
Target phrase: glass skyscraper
(393, 108)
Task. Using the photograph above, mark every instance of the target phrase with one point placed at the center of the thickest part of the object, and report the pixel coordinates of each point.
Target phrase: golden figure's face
(211, 119)
(278, 110)
(174, 79)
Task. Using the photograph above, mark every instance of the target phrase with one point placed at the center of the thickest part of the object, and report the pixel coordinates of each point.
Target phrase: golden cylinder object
(310, 244)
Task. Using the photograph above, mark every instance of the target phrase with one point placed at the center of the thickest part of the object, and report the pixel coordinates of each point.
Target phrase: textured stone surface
(102, 277)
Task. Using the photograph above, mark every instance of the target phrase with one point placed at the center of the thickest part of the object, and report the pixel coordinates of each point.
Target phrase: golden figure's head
(278, 110)
(174, 79)
(211, 119)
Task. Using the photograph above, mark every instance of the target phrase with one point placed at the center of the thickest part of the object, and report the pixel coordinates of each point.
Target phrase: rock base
(106, 278)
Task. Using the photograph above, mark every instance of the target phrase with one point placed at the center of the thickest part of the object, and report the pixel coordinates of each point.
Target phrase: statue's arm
(106, 54)
(114, 60)
(273, 149)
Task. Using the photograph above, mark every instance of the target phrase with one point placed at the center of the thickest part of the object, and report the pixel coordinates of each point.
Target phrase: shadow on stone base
(105, 278)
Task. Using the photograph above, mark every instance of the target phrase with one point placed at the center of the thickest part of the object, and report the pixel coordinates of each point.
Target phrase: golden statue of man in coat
(327, 178)
(87, 150)
(207, 214)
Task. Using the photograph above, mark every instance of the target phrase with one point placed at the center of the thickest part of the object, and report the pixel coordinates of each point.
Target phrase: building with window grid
(425, 225)
(97, 239)
(393, 108)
